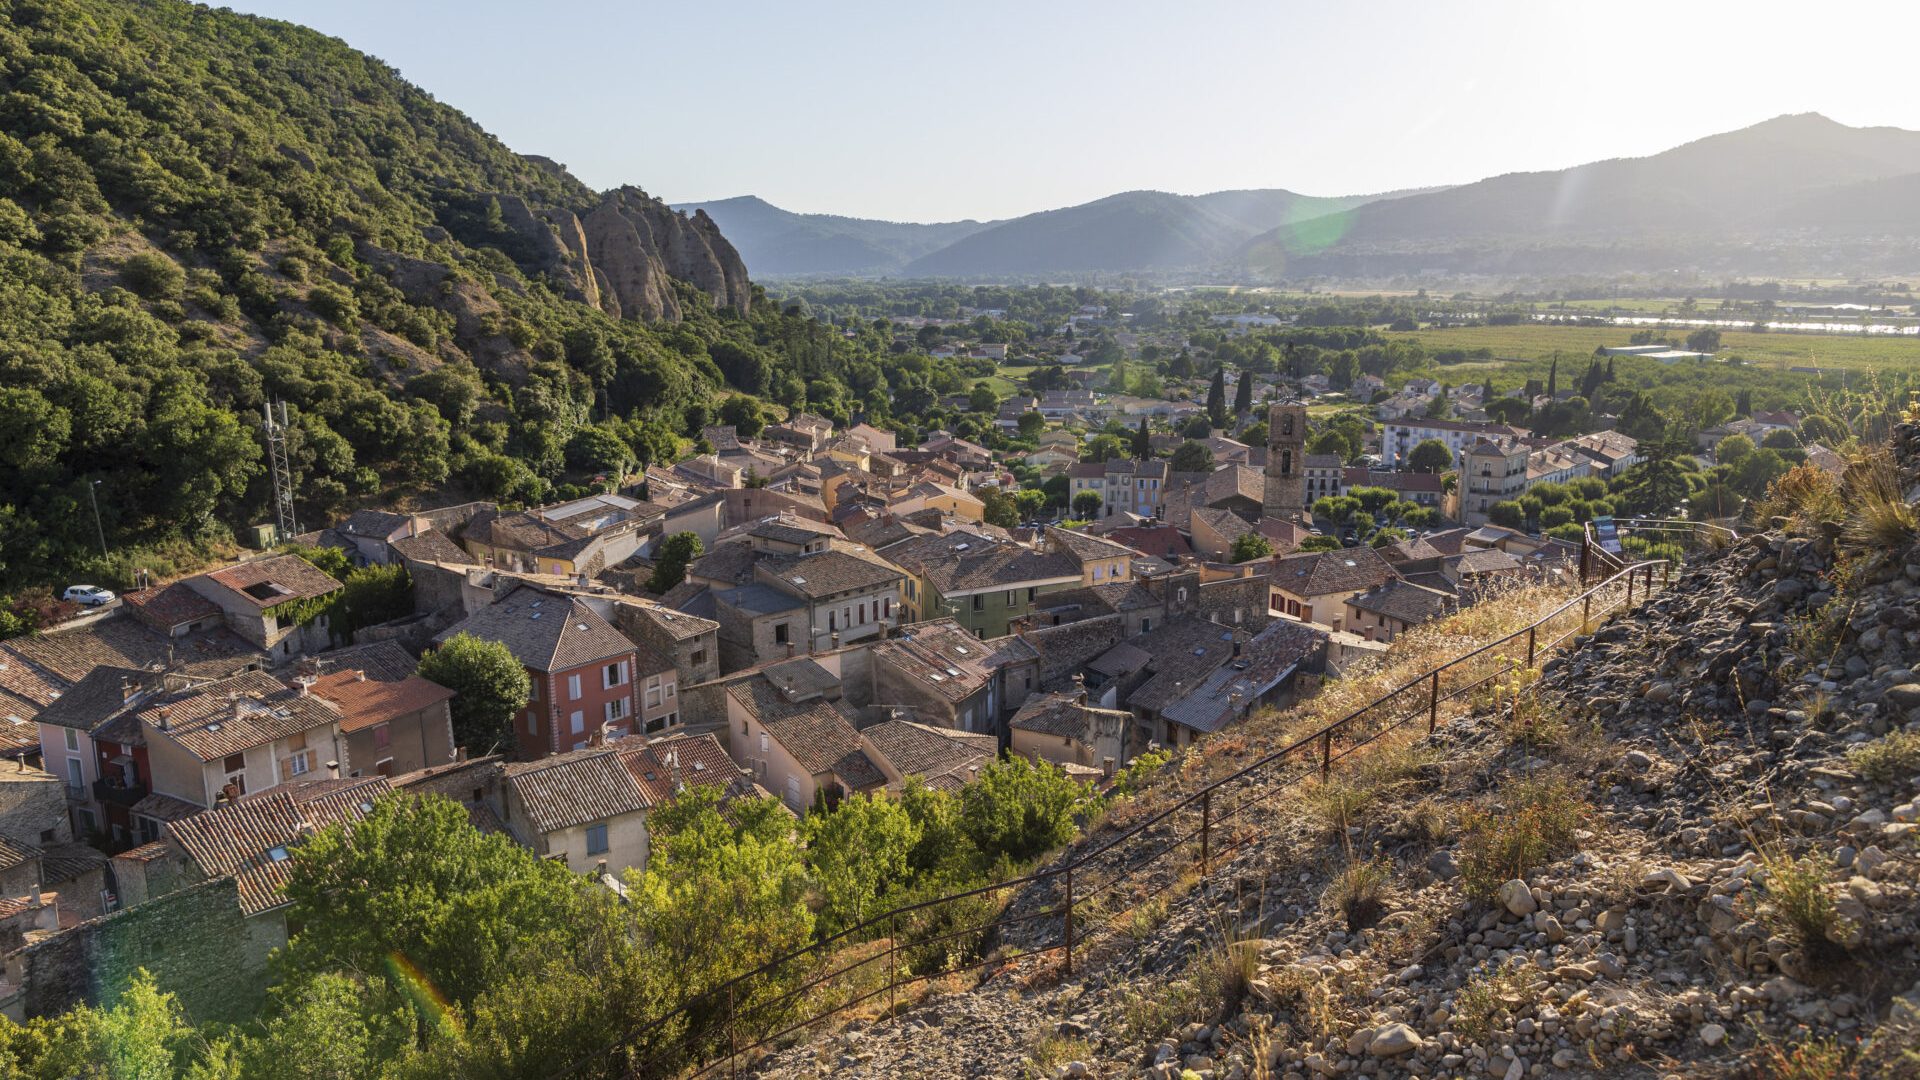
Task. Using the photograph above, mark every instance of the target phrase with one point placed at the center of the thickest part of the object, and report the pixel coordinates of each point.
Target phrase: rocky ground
(1721, 796)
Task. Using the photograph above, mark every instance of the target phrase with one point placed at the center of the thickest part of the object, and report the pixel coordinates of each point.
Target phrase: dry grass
(1358, 891)
(1534, 823)
(1805, 496)
(1808, 1059)
(1488, 998)
(1879, 518)
(1798, 905)
(1150, 915)
(1050, 1051)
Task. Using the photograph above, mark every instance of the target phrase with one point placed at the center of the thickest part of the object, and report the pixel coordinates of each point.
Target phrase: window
(780, 637)
(597, 839)
(382, 736)
(832, 621)
(763, 742)
(73, 739)
(533, 690)
(653, 691)
(979, 602)
(234, 763)
(1146, 624)
(76, 777)
(300, 764)
(533, 725)
(886, 607)
(863, 611)
(670, 687)
(616, 710)
(614, 675)
(573, 688)
(1033, 593)
(577, 722)
(699, 656)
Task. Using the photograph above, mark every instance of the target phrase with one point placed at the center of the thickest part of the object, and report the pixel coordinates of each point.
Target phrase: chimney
(1079, 688)
(164, 721)
(600, 867)
(333, 769)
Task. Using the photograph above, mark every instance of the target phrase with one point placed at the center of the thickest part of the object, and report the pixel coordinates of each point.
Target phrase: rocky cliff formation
(623, 257)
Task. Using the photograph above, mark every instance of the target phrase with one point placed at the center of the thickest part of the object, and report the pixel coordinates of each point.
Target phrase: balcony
(118, 792)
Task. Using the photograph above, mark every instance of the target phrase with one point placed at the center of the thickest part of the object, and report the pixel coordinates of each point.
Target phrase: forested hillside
(202, 211)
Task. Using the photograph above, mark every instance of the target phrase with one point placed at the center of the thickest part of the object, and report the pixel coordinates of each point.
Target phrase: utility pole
(97, 528)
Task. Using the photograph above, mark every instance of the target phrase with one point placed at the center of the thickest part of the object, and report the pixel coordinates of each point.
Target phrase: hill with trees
(202, 212)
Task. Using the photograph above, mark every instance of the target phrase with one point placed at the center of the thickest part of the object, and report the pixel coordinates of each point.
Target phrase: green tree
(1332, 441)
(1086, 504)
(371, 595)
(1430, 456)
(1217, 397)
(327, 1027)
(1019, 809)
(488, 684)
(1142, 442)
(1779, 439)
(1704, 340)
(1250, 546)
(1192, 456)
(142, 1036)
(745, 414)
(1031, 424)
(1320, 543)
(670, 561)
(858, 853)
(982, 399)
(1000, 508)
(1243, 394)
(1508, 513)
(1730, 450)
(1103, 448)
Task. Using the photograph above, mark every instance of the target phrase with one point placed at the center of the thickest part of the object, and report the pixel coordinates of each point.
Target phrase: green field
(1771, 351)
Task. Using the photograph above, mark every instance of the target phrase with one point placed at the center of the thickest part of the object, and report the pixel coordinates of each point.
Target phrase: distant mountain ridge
(1794, 184)
(1796, 194)
(778, 242)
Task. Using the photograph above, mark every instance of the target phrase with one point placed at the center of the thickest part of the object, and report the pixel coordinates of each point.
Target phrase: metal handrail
(1427, 683)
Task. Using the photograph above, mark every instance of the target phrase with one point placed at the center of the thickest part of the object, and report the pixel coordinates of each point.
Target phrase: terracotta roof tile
(575, 789)
(267, 583)
(170, 605)
(546, 632)
(365, 702)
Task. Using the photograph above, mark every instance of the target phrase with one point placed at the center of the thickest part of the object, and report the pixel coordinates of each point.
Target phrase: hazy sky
(919, 110)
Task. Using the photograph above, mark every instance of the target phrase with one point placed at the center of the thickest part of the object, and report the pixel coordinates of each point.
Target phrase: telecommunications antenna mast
(276, 430)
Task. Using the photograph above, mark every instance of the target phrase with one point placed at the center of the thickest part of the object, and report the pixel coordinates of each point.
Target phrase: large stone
(1394, 1040)
(1904, 697)
(1517, 898)
(1712, 1034)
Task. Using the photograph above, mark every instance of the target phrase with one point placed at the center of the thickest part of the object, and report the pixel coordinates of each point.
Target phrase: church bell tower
(1286, 493)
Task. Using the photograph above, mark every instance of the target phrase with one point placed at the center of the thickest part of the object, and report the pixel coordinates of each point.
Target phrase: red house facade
(581, 669)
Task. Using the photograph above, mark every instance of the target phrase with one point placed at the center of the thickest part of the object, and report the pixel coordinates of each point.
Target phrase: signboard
(1608, 535)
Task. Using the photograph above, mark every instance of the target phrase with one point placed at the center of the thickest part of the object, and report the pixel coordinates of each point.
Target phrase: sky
(923, 110)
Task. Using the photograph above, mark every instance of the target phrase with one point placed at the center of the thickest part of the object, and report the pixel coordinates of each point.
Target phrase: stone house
(391, 726)
(944, 759)
(269, 603)
(1314, 586)
(583, 808)
(584, 536)
(1086, 740)
(216, 742)
(1393, 608)
(689, 642)
(787, 726)
(936, 672)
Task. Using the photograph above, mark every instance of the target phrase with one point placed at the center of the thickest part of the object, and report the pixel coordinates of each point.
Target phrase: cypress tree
(1243, 394)
(1142, 444)
(1217, 397)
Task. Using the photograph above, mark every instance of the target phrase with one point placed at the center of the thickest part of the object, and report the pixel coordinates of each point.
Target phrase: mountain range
(1794, 194)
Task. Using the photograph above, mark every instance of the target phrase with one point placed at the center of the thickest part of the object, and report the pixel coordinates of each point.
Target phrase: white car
(90, 595)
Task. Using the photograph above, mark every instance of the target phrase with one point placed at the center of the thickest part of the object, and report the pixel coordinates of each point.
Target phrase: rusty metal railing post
(1326, 753)
(1531, 630)
(1206, 822)
(893, 952)
(1586, 611)
(1433, 704)
(1069, 919)
(733, 1034)
(1629, 605)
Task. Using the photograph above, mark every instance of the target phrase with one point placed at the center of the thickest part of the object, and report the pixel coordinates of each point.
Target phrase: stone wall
(1236, 601)
(31, 802)
(194, 941)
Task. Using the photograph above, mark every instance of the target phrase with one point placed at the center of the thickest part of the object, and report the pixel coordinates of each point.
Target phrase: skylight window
(277, 854)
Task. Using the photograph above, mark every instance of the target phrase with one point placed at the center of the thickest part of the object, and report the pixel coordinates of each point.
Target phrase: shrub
(1888, 760)
(1359, 891)
(1535, 823)
(1488, 994)
(1880, 518)
(1150, 915)
(1797, 904)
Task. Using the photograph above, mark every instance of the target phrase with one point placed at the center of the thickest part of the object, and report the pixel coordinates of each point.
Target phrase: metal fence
(895, 951)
